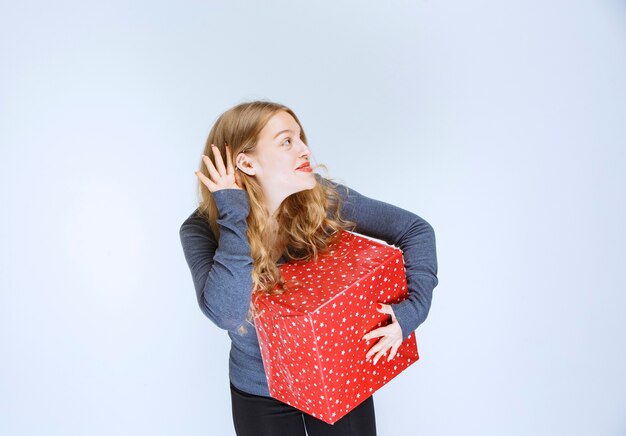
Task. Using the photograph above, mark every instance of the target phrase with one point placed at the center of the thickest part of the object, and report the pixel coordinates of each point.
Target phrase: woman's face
(279, 152)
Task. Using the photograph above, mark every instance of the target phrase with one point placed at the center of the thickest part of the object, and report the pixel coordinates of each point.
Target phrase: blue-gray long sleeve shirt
(222, 270)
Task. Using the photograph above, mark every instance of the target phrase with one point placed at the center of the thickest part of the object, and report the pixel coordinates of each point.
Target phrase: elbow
(222, 319)
(417, 229)
(431, 243)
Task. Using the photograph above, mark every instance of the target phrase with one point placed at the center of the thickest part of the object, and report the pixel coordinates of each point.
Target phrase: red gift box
(310, 336)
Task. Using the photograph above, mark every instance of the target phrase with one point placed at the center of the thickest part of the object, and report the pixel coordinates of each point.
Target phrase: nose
(306, 151)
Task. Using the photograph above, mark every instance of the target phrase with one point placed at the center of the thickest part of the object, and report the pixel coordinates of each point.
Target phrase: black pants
(255, 415)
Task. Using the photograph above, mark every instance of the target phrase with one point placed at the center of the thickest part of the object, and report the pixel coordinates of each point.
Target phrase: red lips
(304, 165)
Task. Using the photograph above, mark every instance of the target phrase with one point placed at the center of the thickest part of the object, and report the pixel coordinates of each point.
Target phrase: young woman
(261, 205)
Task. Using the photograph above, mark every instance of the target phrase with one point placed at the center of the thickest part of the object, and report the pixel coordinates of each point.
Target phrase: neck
(273, 201)
(272, 209)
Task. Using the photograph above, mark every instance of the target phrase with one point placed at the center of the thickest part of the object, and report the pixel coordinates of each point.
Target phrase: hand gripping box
(310, 336)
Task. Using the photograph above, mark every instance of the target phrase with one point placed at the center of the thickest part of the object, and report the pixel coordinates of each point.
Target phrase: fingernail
(379, 306)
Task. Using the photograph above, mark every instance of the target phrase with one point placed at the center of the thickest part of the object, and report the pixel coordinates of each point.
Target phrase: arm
(412, 234)
(221, 272)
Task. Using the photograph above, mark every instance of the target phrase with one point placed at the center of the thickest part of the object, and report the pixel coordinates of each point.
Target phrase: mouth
(305, 165)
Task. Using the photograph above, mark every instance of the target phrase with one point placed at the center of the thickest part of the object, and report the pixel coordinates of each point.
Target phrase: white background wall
(499, 122)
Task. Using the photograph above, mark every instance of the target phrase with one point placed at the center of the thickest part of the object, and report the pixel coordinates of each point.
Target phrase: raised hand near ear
(221, 177)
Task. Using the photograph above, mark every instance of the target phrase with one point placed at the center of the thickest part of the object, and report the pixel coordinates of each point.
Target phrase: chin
(306, 187)
(313, 182)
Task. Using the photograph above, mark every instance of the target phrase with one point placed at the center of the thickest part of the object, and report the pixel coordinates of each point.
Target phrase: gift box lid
(351, 260)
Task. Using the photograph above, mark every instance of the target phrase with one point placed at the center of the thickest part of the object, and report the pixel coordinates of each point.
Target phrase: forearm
(221, 272)
(420, 259)
(413, 235)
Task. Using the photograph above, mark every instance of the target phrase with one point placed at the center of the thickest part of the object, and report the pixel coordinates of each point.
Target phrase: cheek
(278, 167)
(280, 164)
(287, 164)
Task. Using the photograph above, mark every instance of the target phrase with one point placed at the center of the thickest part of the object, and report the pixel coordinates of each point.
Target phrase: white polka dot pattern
(310, 337)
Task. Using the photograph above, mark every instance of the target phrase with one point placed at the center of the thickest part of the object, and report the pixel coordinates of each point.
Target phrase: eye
(288, 139)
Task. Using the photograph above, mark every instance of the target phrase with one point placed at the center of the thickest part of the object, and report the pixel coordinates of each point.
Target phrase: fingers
(230, 168)
(378, 350)
(220, 176)
(209, 165)
(394, 351)
(207, 182)
(390, 338)
(229, 160)
(219, 162)
(381, 331)
(381, 348)
(379, 355)
(386, 308)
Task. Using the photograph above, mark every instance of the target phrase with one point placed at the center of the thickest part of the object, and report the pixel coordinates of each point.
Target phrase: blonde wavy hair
(305, 227)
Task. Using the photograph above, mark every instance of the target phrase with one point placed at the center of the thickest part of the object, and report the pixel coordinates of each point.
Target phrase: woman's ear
(243, 163)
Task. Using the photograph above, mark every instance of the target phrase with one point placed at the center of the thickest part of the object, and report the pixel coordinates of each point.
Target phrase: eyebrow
(281, 132)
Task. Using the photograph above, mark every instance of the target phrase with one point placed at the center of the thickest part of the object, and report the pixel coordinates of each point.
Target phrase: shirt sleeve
(221, 270)
(406, 230)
